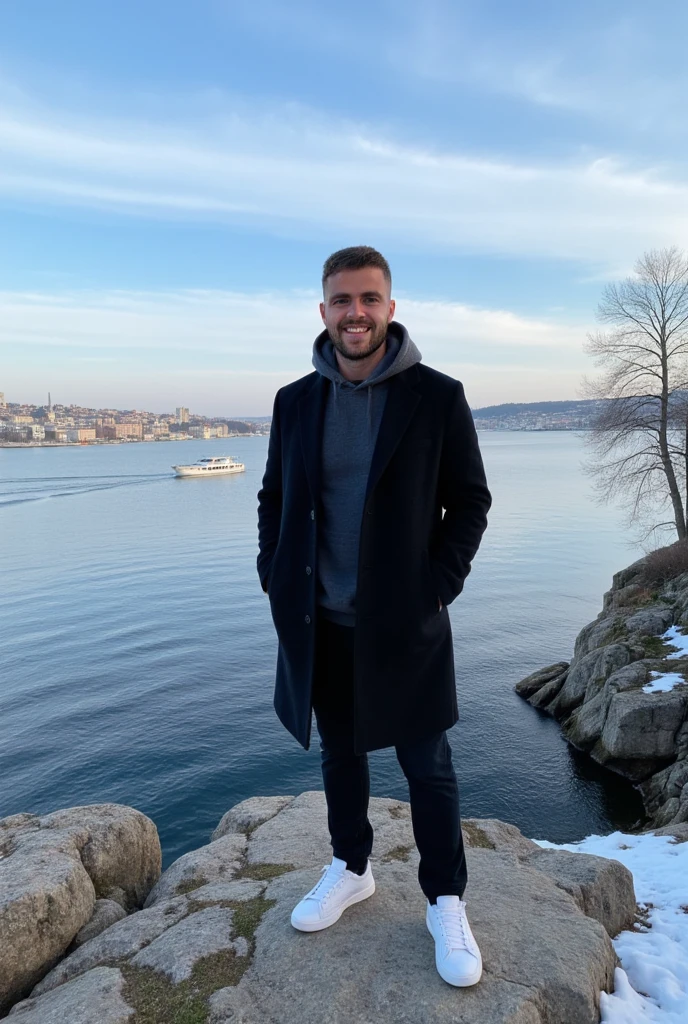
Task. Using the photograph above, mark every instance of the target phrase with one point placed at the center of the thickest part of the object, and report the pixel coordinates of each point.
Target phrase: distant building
(200, 430)
(36, 432)
(129, 430)
(221, 430)
(117, 431)
(53, 433)
(81, 434)
(182, 414)
(3, 403)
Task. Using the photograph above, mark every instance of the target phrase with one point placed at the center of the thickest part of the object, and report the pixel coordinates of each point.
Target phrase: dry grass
(401, 853)
(476, 836)
(665, 564)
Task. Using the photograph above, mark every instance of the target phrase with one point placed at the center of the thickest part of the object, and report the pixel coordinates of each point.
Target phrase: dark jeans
(427, 765)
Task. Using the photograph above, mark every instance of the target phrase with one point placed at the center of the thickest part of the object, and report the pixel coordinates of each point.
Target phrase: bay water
(137, 652)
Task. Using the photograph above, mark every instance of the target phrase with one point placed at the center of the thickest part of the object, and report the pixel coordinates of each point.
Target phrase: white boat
(211, 467)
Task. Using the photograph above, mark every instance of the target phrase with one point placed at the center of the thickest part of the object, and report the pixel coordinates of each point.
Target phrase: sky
(174, 174)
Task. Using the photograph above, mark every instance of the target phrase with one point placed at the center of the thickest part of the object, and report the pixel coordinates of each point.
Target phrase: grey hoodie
(353, 413)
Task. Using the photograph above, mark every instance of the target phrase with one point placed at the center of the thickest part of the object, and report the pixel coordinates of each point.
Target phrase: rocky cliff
(91, 932)
(624, 696)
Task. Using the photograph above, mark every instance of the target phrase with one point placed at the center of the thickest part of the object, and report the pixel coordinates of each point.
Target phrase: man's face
(356, 310)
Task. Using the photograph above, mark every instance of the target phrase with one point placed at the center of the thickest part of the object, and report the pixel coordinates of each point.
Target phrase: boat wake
(19, 491)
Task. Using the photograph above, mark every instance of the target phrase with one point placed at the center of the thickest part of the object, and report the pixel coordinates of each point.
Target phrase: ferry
(211, 467)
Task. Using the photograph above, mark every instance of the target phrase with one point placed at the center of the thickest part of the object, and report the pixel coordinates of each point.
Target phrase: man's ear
(322, 311)
(392, 307)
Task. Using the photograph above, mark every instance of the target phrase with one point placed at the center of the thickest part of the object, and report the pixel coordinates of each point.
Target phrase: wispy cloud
(259, 326)
(293, 170)
(620, 63)
(225, 346)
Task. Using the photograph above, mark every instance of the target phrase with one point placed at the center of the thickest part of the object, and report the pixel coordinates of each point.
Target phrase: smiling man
(373, 504)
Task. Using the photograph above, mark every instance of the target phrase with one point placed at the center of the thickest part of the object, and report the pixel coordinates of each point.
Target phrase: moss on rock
(189, 886)
(397, 853)
(263, 872)
(477, 836)
(157, 1000)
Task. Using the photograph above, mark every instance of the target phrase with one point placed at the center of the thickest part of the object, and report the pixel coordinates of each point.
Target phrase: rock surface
(289, 837)
(599, 886)
(105, 913)
(178, 949)
(52, 871)
(93, 997)
(599, 697)
(216, 862)
(246, 816)
(122, 940)
(224, 951)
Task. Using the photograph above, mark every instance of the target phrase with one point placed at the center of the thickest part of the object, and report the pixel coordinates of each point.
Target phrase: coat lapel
(399, 408)
(311, 414)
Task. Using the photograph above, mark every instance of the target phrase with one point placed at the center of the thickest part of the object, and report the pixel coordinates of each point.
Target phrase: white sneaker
(456, 952)
(337, 889)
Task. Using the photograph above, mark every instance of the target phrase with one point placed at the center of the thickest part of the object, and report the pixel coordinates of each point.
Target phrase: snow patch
(651, 986)
(662, 682)
(674, 637)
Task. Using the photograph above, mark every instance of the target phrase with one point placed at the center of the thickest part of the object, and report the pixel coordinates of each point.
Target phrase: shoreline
(101, 442)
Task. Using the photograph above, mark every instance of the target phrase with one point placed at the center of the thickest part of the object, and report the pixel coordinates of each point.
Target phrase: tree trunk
(665, 454)
(685, 462)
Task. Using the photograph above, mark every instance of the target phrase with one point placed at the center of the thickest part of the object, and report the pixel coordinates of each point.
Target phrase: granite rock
(219, 861)
(105, 913)
(602, 888)
(644, 725)
(179, 948)
(534, 682)
(542, 919)
(119, 847)
(596, 666)
(121, 941)
(545, 961)
(601, 702)
(298, 836)
(247, 815)
(52, 870)
(549, 691)
(90, 998)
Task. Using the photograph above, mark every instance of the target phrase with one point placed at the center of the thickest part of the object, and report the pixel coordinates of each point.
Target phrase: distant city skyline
(173, 177)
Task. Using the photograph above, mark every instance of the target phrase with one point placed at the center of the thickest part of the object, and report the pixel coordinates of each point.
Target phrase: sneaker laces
(454, 924)
(330, 879)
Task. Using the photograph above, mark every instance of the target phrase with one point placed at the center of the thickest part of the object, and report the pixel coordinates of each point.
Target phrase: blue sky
(172, 176)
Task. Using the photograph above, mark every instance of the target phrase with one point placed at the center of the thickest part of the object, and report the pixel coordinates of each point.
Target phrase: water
(137, 651)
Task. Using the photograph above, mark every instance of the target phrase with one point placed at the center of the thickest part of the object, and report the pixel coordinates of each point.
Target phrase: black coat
(426, 459)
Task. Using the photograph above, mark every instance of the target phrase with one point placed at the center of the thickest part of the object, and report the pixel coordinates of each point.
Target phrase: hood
(400, 355)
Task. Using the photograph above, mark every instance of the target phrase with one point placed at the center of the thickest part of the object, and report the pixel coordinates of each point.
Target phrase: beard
(378, 336)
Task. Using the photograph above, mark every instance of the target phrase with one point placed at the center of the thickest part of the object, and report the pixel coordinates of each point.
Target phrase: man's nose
(356, 309)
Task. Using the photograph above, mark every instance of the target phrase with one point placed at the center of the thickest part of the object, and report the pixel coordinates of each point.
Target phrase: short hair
(356, 257)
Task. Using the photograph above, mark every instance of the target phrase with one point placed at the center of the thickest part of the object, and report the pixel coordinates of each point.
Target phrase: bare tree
(639, 441)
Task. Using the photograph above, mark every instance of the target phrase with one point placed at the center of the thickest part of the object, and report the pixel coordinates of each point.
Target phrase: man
(372, 507)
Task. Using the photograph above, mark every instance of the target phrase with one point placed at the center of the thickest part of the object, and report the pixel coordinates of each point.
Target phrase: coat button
(307, 620)
(312, 513)
(308, 570)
